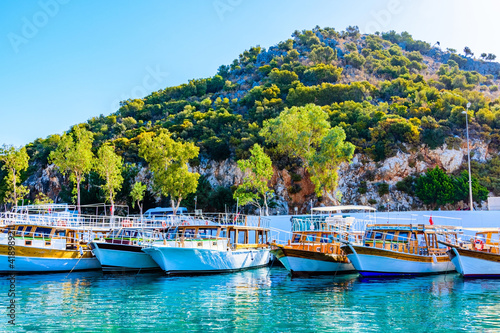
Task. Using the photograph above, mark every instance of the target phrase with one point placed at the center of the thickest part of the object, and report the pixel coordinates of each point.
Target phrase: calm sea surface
(262, 300)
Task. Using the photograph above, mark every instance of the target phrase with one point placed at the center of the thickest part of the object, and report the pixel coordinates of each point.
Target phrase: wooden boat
(27, 248)
(401, 250)
(478, 258)
(224, 243)
(315, 246)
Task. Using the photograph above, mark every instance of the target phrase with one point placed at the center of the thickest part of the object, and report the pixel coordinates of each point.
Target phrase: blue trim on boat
(394, 274)
(482, 276)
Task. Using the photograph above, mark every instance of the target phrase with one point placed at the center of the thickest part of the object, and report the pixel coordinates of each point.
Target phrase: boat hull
(302, 262)
(475, 264)
(176, 260)
(37, 260)
(375, 262)
(122, 258)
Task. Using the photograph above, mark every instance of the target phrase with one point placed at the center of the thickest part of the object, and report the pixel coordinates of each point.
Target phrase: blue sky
(64, 61)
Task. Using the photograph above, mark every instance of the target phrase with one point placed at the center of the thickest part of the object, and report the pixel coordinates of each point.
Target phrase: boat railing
(88, 221)
(228, 219)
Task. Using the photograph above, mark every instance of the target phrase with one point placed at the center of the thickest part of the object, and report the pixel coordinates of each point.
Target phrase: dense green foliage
(380, 92)
(257, 171)
(168, 160)
(435, 187)
(305, 132)
(74, 156)
(14, 161)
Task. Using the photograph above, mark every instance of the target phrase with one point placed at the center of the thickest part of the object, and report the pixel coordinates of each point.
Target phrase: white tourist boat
(315, 245)
(479, 258)
(390, 250)
(223, 243)
(121, 251)
(28, 248)
(51, 238)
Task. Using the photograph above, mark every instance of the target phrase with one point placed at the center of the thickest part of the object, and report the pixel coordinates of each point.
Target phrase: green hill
(389, 92)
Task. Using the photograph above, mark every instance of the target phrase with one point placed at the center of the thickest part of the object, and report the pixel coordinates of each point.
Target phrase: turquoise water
(262, 300)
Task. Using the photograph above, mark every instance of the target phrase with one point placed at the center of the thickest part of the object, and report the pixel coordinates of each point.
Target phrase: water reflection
(254, 300)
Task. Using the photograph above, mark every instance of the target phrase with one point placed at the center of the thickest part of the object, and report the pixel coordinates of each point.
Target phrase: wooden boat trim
(478, 254)
(36, 252)
(311, 255)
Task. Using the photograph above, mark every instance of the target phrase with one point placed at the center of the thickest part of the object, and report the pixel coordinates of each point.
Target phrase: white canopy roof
(339, 208)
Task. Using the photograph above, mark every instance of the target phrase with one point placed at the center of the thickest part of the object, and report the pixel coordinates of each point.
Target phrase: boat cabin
(413, 239)
(43, 236)
(235, 236)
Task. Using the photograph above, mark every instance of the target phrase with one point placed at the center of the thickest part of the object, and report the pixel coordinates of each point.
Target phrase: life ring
(163, 224)
(479, 244)
(126, 223)
(206, 222)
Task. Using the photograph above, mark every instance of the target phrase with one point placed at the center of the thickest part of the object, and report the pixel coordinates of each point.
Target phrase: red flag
(430, 220)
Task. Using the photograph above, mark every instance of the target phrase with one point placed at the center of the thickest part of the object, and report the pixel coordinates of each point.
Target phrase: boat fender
(479, 244)
(434, 259)
(81, 251)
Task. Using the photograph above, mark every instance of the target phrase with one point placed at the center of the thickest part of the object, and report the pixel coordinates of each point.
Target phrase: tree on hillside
(137, 194)
(322, 54)
(435, 187)
(491, 57)
(461, 183)
(305, 132)
(109, 167)
(168, 160)
(257, 171)
(483, 56)
(15, 161)
(468, 51)
(74, 156)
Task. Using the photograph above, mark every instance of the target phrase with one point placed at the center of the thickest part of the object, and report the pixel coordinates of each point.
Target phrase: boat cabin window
(242, 237)
(389, 236)
(494, 238)
(296, 238)
(252, 237)
(324, 238)
(41, 232)
(19, 230)
(402, 237)
(27, 230)
(421, 240)
(311, 238)
(207, 233)
(368, 234)
(481, 237)
(223, 233)
(130, 233)
(171, 234)
(60, 233)
(189, 233)
(378, 235)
